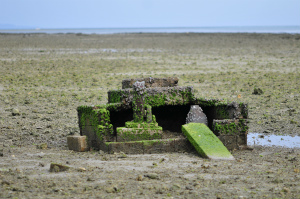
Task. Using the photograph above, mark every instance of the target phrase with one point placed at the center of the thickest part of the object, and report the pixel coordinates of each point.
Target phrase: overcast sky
(148, 13)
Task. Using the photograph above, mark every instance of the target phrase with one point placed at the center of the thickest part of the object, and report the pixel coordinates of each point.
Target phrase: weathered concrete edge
(146, 146)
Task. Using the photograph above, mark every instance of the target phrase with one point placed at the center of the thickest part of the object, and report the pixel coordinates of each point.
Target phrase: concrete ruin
(147, 114)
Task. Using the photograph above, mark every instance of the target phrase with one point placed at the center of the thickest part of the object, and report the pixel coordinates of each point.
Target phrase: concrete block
(77, 143)
(205, 141)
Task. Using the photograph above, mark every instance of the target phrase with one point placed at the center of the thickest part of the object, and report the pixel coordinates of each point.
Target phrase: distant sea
(233, 29)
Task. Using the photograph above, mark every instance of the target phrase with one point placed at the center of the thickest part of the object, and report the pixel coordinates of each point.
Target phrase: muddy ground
(45, 77)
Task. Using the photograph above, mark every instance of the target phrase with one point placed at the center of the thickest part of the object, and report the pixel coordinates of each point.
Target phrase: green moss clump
(97, 118)
(231, 127)
(133, 134)
(115, 96)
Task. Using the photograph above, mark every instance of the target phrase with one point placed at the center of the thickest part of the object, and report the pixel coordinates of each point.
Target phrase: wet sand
(45, 77)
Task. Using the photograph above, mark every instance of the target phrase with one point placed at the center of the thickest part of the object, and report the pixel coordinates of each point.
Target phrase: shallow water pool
(273, 140)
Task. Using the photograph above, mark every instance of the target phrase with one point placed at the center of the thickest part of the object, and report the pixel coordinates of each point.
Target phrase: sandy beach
(45, 77)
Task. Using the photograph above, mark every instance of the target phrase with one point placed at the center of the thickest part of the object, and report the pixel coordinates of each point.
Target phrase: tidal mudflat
(45, 77)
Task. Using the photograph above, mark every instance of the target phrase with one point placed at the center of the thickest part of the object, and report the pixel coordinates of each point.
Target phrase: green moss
(97, 118)
(131, 134)
(115, 96)
(231, 128)
(152, 125)
(243, 126)
(138, 110)
(83, 114)
(244, 110)
(153, 119)
(156, 100)
(205, 142)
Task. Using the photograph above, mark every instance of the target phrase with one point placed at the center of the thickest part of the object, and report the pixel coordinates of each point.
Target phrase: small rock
(42, 146)
(151, 175)
(253, 187)
(267, 131)
(286, 190)
(139, 178)
(205, 166)
(15, 112)
(90, 179)
(58, 167)
(122, 155)
(4, 182)
(176, 187)
(81, 169)
(111, 189)
(1, 152)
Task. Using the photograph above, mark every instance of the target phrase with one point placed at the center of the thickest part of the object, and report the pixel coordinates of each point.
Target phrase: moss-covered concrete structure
(147, 118)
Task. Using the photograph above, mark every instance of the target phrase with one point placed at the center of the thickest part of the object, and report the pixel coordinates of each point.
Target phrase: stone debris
(15, 112)
(81, 169)
(196, 115)
(42, 146)
(152, 175)
(112, 189)
(58, 167)
(139, 178)
(77, 143)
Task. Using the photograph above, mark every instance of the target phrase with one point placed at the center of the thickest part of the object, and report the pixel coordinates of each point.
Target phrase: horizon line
(158, 27)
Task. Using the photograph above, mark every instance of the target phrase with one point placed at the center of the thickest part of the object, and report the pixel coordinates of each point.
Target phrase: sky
(148, 13)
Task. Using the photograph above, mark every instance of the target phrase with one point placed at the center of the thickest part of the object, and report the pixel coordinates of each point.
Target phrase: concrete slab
(206, 142)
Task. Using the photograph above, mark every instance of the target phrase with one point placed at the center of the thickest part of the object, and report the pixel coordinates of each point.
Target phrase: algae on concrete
(205, 141)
